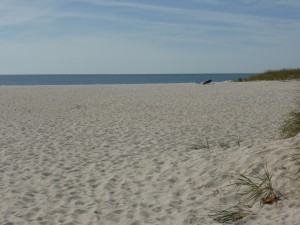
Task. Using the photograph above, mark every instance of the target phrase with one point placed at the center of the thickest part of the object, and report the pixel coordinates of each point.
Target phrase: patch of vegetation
(252, 189)
(256, 188)
(229, 215)
(291, 126)
(284, 74)
(224, 145)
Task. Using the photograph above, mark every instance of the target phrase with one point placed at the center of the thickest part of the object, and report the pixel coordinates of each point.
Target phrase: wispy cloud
(269, 3)
(195, 26)
(14, 12)
(200, 23)
(200, 15)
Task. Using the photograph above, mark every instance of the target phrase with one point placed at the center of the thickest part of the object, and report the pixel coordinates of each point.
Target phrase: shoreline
(134, 84)
(133, 153)
(139, 84)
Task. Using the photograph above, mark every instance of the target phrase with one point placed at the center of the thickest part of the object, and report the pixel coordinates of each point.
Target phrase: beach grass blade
(253, 188)
(249, 188)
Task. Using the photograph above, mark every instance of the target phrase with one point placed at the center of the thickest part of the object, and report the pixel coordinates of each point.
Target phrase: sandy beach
(158, 154)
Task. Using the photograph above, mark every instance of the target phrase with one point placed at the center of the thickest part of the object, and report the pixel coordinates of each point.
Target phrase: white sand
(129, 154)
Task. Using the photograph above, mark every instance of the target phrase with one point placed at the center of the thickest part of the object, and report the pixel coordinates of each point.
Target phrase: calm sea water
(115, 79)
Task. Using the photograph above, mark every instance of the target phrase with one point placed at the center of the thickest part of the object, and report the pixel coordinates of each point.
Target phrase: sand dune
(137, 154)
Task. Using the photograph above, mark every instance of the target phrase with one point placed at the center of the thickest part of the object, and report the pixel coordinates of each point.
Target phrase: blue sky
(148, 36)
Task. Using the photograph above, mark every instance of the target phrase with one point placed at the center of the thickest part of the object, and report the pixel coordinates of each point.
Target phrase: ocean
(89, 79)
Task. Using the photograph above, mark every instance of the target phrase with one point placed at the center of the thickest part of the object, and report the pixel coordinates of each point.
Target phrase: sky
(148, 36)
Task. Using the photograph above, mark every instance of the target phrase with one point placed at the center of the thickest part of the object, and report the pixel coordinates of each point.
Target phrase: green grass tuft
(249, 188)
(291, 126)
(229, 215)
(253, 188)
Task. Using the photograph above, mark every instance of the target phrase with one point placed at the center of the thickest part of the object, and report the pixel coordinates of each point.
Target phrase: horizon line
(55, 74)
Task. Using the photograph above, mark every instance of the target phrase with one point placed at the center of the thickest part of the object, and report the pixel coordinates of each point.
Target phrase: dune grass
(229, 215)
(253, 188)
(284, 74)
(291, 126)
